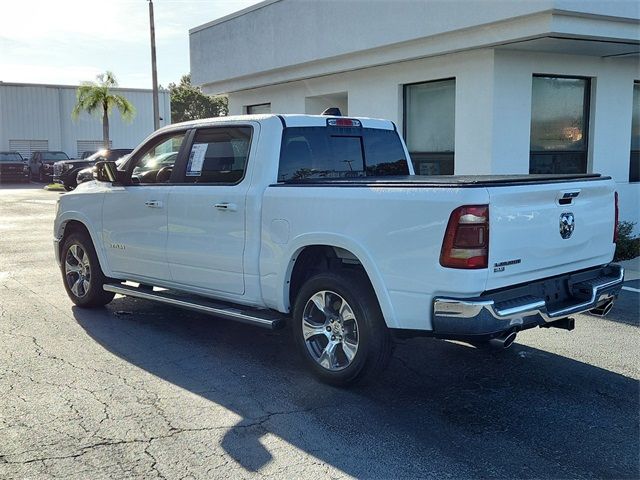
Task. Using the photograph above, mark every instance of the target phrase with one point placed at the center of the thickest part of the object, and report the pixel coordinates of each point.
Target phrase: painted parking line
(631, 289)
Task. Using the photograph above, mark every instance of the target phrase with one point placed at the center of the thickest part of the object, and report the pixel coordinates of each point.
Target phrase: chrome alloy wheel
(330, 330)
(77, 270)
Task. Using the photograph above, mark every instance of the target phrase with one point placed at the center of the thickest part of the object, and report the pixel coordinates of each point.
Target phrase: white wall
(493, 106)
(42, 112)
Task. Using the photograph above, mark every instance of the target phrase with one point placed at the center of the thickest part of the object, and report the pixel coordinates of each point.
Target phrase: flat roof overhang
(556, 32)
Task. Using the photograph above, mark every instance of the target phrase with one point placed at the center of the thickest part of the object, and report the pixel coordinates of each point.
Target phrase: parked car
(86, 174)
(13, 168)
(320, 222)
(65, 172)
(41, 164)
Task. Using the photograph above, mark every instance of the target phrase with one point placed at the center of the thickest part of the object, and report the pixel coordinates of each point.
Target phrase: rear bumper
(528, 306)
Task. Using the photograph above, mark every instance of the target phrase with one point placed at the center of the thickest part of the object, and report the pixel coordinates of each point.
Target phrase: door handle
(153, 204)
(231, 207)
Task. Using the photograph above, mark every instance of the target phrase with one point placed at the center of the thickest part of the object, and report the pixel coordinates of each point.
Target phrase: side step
(264, 318)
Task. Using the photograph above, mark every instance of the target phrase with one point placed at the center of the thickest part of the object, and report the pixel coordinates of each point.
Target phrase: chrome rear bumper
(498, 312)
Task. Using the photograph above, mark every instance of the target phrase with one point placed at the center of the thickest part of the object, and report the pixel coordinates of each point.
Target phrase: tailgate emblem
(567, 224)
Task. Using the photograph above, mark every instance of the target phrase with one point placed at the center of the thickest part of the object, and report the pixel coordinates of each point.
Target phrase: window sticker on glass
(196, 159)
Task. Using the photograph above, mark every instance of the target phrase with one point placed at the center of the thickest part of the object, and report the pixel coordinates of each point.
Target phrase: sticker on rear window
(196, 159)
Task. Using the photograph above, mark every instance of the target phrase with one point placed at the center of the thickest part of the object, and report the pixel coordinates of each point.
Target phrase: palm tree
(96, 97)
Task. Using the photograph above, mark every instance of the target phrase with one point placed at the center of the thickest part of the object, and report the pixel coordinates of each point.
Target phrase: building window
(634, 162)
(559, 124)
(261, 108)
(429, 125)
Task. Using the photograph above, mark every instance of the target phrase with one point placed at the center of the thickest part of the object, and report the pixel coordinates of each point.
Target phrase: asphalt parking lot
(139, 390)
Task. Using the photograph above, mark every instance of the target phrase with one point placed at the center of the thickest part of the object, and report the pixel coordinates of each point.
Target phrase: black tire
(67, 187)
(374, 344)
(93, 295)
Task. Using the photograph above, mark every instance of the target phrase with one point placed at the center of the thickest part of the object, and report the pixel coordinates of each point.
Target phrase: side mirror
(106, 171)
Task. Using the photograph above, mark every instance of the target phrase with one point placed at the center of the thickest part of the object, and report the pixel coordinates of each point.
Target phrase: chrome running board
(264, 318)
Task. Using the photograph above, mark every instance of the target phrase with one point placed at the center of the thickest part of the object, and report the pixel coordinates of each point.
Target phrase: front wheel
(83, 278)
(339, 328)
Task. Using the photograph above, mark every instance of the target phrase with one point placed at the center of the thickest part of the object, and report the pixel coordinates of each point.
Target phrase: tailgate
(542, 230)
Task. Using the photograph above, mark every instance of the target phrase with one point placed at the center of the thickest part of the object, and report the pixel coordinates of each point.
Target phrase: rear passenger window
(218, 155)
(324, 152)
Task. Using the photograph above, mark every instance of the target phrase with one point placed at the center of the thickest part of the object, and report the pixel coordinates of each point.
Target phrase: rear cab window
(309, 153)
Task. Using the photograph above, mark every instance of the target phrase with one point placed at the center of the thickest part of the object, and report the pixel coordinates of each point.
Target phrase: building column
(610, 125)
(474, 116)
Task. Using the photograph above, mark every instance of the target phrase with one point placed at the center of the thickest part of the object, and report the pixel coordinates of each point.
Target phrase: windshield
(54, 156)
(10, 157)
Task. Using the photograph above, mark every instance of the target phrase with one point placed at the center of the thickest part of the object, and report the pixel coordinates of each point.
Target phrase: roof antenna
(332, 111)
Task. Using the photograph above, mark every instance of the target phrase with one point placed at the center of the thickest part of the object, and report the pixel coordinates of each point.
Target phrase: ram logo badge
(567, 224)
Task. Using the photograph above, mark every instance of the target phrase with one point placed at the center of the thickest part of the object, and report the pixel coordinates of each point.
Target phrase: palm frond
(124, 106)
(94, 97)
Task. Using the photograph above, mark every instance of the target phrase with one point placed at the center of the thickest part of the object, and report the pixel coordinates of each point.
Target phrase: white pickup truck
(320, 222)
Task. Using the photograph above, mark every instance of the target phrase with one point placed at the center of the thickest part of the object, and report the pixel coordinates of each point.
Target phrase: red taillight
(615, 224)
(466, 240)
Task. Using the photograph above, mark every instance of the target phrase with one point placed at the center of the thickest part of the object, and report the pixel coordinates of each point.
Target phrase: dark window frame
(404, 127)
(634, 155)
(586, 109)
(247, 107)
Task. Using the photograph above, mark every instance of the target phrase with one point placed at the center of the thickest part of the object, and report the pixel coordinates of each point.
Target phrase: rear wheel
(339, 328)
(83, 278)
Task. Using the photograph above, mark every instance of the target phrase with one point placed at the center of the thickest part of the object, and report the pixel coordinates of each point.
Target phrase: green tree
(96, 97)
(189, 103)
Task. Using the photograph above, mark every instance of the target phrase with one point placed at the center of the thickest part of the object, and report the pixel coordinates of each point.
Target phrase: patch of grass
(56, 187)
(627, 246)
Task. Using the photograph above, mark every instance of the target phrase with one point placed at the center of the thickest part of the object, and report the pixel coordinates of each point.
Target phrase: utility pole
(154, 72)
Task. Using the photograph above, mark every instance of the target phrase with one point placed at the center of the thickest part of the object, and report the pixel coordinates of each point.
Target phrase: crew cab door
(134, 215)
(206, 218)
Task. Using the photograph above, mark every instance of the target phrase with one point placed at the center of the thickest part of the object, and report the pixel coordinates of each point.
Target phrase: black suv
(41, 164)
(13, 168)
(66, 171)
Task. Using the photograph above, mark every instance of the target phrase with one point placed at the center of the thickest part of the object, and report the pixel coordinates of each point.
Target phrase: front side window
(328, 152)
(219, 155)
(430, 126)
(559, 116)
(156, 163)
(634, 162)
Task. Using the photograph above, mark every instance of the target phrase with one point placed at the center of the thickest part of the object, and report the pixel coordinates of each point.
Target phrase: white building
(476, 86)
(38, 117)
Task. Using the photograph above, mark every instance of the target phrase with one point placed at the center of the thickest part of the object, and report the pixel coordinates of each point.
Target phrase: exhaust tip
(603, 310)
(503, 342)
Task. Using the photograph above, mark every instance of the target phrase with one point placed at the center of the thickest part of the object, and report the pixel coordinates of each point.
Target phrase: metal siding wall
(44, 112)
(30, 112)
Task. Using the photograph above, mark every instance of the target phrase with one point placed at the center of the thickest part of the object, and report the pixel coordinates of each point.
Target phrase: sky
(69, 41)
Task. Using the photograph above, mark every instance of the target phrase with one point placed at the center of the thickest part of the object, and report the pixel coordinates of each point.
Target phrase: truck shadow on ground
(441, 409)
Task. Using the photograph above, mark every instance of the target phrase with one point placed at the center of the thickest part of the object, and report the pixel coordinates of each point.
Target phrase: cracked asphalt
(139, 390)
